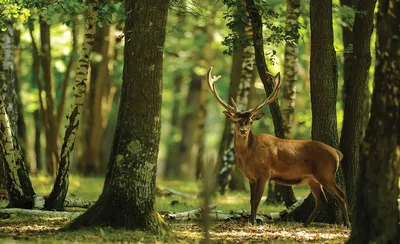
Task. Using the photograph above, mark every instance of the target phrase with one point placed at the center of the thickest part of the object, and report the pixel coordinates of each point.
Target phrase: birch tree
(60, 188)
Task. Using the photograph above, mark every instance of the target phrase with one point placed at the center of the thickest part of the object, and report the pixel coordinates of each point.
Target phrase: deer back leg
(338, 194)
(320, 200)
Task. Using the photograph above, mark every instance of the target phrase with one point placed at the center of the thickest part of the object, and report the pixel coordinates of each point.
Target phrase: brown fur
(265, 157)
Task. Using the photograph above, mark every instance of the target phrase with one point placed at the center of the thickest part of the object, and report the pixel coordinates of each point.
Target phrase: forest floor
(34, 229)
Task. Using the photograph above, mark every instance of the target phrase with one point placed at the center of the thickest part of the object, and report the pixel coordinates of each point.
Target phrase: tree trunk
(202, 110)
(355, 84)
(128, 199)
(50, 124)
(257, 27)
(94, 112)
(323, 89)
(280, 193)
(245, 78)
(19, 186)
(39, 114)
(291, 66)
(378, 220)
(60, 188)
(73, 59)
(183, 166)
(21, 128)
(174, 138)
(173, 142)
(224, 175)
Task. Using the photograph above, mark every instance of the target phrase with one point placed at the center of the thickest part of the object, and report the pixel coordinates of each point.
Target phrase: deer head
(243, 119)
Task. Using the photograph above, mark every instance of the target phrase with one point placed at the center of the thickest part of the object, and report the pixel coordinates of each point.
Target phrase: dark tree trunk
(202, 110)
(38, 146)
(354, 84)
(173, 143)
(278, 193)
(50, 124)
(323, 88)
(376, 213)
(173, 138)
(39, 114)
(128, 199)
(257, 27)
(183, 166)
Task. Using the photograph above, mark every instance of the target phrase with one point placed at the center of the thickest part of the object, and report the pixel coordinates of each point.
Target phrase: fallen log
(13, 212)
(39, 200)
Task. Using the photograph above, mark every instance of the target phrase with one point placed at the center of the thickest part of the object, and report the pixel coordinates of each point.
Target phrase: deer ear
(257, 116)
(229, 115)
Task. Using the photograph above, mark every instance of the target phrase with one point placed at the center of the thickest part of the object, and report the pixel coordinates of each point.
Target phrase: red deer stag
(264, 157)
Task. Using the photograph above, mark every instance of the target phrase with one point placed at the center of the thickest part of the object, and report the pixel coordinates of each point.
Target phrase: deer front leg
(257, 189)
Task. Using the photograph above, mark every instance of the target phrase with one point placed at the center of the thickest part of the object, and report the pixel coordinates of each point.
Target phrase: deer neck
(243, 143)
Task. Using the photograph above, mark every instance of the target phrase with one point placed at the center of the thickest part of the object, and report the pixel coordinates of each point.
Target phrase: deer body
(263, 157)
(288, 162)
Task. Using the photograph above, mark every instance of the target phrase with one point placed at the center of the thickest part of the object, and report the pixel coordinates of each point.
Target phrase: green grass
(44, 229)
(89, 188)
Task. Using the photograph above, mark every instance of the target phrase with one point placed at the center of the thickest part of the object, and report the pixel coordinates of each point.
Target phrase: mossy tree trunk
(19, 186)
(57, 196)
(323, 89)
(128, 199)
(258, 43)
(376, 213)
(355, 83)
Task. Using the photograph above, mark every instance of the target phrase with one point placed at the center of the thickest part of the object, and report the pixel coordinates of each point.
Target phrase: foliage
(11, 10)
(237, 20)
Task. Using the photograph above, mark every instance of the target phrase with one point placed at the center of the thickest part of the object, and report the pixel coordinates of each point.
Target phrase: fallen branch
(196, 214)
(169, 192)
(39, 200)
(35, 212)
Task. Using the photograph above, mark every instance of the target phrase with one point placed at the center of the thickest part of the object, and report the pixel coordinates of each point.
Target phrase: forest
(205, 121)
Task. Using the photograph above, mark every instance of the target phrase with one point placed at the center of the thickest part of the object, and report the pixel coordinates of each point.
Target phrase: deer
(263, 157)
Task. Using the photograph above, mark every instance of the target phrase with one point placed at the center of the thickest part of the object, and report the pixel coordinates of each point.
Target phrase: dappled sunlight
(233, 231)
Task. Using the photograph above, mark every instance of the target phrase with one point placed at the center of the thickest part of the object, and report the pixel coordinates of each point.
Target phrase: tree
(323, 89)
(355, 83)
(257, 27)
(202, 109)
(378, 220)
(97, 105)
(19, 186)
(50, 123)
(278, 193)
(128, 199)
(55, 201)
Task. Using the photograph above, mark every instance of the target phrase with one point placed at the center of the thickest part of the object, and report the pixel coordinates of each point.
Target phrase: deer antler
(271, 97)
(211, 84)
